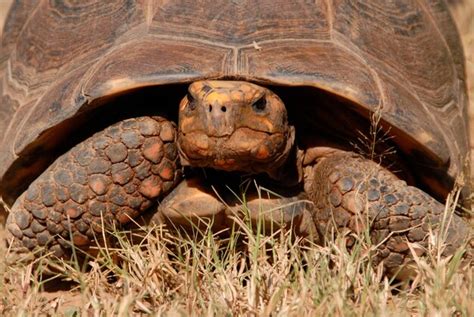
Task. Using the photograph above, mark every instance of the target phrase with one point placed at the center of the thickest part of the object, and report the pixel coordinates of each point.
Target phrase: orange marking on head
(219, 162)
(237, 96)
(262, 152)
(186, 122)
(216, 91)
(196, 87)
(225, 163)
(216, 97)
(246, 89)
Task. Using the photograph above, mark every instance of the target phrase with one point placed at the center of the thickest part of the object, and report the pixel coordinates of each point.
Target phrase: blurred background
(463, 12)
(4, 5)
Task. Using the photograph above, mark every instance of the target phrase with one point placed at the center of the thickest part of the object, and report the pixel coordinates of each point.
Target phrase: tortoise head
(233, 126)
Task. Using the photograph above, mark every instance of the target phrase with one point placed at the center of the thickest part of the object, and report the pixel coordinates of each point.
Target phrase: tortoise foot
(99, 184)
(267, 212)
(353, 193)
(191, 205)
(194, 204)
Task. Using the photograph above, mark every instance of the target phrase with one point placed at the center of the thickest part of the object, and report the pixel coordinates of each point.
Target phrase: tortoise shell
(59, 59)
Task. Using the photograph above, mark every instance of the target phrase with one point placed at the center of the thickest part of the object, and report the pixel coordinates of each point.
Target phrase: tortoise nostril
(210, 108)
(223, 109)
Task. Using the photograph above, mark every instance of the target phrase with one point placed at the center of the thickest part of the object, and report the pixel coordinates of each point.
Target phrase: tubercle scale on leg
(104, 181)
(351, 192)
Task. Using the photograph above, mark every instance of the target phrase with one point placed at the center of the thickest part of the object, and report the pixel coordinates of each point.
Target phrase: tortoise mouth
(244, 150)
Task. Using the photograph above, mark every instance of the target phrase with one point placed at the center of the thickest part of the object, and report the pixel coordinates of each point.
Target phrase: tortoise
(109, 107)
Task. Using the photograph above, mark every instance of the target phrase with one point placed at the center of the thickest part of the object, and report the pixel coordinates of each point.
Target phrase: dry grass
(244, 274)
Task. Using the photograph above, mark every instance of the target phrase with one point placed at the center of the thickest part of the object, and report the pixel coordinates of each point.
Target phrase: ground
(244, 274)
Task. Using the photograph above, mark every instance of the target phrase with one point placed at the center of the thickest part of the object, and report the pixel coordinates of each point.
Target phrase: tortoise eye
(191, 102)
(259, 105)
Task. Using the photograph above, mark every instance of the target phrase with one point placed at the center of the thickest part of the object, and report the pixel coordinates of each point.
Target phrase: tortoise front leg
(358, 194)
(99, 184)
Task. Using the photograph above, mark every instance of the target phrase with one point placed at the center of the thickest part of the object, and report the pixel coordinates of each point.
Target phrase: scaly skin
(352, 192)
(230, 126)
(108, 179)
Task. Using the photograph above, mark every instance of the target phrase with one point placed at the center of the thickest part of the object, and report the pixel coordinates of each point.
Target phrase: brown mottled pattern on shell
(402, 55)
(94, 184)
(355, 193)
